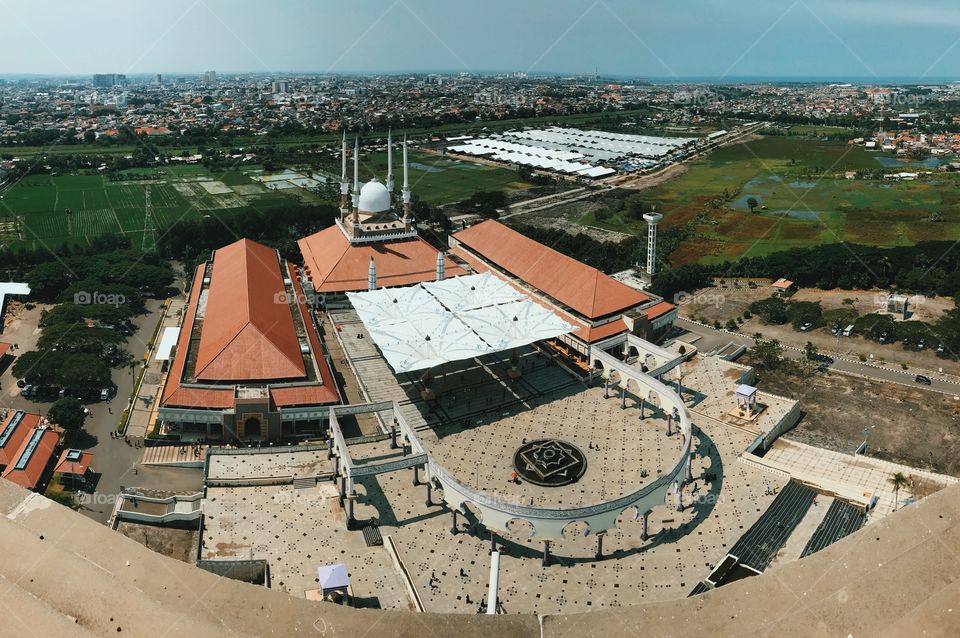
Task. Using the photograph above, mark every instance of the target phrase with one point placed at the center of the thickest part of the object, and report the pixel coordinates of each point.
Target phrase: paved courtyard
(709, 389)
(298, 529)
(268, 464)
(622, 452)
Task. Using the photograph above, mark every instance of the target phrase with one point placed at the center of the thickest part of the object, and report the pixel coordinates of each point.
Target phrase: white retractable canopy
(514, 324)
(425, 325)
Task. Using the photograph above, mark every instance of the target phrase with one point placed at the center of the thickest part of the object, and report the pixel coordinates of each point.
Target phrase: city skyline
(771, 40)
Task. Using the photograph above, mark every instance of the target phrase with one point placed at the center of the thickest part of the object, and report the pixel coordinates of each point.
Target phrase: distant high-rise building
(106, 80)
(210, 77)
(158, 79)
(281, 86)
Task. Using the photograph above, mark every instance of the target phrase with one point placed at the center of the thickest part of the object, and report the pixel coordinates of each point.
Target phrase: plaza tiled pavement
(617, 445)
(709, 389)
(266, 464)
(296, 530)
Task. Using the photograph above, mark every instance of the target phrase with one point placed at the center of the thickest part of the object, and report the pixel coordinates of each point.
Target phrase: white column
(390, 161)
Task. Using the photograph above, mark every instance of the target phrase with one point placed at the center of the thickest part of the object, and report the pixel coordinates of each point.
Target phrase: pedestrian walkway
(143, 411)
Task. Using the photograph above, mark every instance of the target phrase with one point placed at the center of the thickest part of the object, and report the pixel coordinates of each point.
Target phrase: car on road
(883, 337)
(823, 358)
(940, 349)
(28, 390)
(848, 330)
(807, 326)
(925, 380)
(921, 344)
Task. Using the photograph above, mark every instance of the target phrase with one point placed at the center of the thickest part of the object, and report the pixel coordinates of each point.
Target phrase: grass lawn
(434, 178)
(801, 210)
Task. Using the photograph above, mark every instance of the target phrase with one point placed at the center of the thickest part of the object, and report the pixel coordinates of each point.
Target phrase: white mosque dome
(374, 197)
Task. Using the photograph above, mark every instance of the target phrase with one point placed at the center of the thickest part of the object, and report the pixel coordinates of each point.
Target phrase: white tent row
(485, 145)
(597, 171)
(425, 325)
(605, 145)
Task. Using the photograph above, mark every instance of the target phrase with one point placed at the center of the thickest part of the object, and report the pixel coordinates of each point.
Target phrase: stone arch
(653, 398)
(576, 529)
(650, 361)
(472, 512)
(634, 386)
(521, 528)
(614, 377)
(628, 515)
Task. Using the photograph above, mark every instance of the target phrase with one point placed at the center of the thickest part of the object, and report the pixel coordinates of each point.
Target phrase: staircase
(304, 482)
(173, 455)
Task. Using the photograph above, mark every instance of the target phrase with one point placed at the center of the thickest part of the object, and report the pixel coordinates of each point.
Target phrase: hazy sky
(653, 38)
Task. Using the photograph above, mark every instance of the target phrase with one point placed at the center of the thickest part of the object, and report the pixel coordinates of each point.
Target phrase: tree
(68, 413)
(898, 480)
(769, 354)
(772, 310)
(810, 351)
(752, 203)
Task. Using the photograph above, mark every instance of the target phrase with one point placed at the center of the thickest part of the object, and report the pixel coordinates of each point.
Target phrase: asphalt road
(711, 339)
(115, 463)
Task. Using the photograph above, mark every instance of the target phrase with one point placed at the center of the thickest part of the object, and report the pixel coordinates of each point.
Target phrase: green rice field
(803, 199)
(33, 211)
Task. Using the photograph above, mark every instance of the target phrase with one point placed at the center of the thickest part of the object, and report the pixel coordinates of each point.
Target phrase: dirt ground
(720, 303)
(175, 543)
(564, 215)
(909, 426)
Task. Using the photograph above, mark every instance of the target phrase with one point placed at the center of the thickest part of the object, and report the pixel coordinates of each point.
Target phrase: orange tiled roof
(584, 332)
(336, 265)
(29, 477)
(248, 331)
(658, 309)
(574, 284)
(78, 467)
(16, 436)
(174, 394)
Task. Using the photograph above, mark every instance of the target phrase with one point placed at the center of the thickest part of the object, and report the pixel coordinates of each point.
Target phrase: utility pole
(149, 230)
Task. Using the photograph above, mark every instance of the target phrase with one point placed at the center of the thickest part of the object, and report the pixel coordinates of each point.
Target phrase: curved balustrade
(548, 523)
